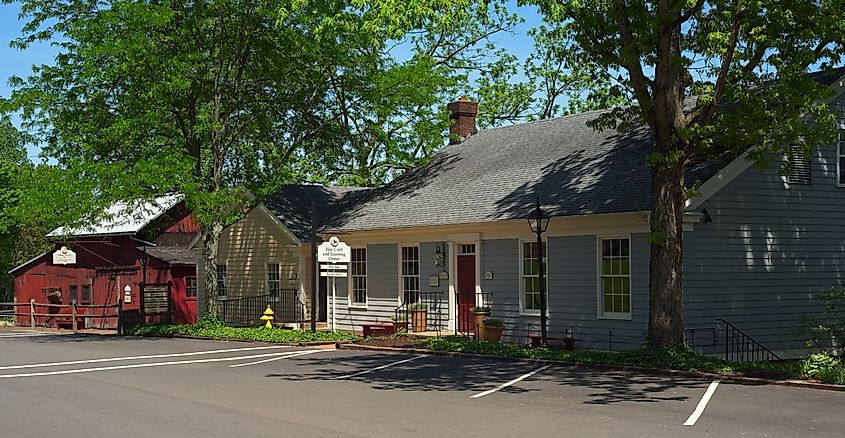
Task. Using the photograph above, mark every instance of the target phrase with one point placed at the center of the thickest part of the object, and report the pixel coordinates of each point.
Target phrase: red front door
(466, 292)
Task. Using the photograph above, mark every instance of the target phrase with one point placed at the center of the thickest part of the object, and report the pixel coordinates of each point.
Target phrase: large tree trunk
(211, 243)
(666, 309)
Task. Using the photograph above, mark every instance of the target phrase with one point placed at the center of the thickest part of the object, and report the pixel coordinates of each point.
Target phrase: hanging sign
(333, 251)
(332, 273)
(64, 256)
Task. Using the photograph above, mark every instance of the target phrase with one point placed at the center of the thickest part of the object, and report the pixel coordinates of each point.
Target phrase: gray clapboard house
(757, 246)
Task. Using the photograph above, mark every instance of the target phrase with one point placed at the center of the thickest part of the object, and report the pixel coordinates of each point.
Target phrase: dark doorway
(323, 301)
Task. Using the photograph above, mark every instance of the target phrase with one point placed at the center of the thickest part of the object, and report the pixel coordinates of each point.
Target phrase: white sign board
(334, 267)
(334, 251)
(64, 256)
(332, 273)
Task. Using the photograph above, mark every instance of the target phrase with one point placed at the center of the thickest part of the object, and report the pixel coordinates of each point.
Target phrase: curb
(631, 369)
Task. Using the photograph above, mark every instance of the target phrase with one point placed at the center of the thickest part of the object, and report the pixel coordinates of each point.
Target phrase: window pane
(605, 248)
(625, 266)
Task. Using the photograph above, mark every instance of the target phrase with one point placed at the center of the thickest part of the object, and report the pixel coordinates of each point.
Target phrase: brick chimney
(462, 113)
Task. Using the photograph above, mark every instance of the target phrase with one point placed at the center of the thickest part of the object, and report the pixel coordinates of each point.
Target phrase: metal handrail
(435, 307)
(740, 347)
(482, 299)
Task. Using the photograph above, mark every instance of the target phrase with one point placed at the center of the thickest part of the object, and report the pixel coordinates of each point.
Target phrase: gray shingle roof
(292, 205)
(497, 173)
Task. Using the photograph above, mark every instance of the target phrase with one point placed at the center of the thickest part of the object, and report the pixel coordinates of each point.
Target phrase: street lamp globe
(538, 220)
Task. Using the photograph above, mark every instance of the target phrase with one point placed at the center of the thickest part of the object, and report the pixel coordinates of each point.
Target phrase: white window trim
(600, 314)
(225, 281)
(522, 311)
(840, 141)
(350, 292)
(267, 275)
(401, 293)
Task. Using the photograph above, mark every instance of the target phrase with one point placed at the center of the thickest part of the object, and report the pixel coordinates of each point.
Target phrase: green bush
(827, 331)
(493, 322)
(674, 358)
(480, 309)
(817, 364)
(418, 306)
(207, 328)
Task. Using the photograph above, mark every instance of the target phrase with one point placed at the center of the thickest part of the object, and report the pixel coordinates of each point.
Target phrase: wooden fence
(13, 309)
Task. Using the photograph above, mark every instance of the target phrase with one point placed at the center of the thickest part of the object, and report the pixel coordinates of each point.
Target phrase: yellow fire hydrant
(268, 316)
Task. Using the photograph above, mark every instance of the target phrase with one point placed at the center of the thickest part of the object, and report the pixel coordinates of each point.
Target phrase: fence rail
(436, 311)
(247, 311)
(9, 309)
(740, 347)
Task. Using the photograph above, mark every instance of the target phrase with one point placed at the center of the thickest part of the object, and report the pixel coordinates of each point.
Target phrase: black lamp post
(145, 260)
(538, 220)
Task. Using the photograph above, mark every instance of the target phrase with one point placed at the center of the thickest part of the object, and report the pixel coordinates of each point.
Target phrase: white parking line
(27, 334)
(377, 368)
(702, 404)
(151, 356)
(289, 355)
(505, 385)
(138, 365)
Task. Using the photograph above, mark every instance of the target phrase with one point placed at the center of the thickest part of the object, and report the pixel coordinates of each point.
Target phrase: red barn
(98, 264)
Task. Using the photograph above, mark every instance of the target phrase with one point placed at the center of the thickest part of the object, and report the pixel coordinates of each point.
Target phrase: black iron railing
(247, 311)
(740, 347)
(436, 311)
(464, 302)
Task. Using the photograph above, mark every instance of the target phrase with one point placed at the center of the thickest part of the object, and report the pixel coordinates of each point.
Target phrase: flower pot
(419, 320)
(400, 326)
(569, 344)
(490, 333)
(478, 318)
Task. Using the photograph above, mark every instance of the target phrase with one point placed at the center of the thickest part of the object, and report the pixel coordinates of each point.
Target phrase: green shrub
(480, 309)
(493, 322)
(207, 328)
(418, 306)
(818, 364)
(828, 331)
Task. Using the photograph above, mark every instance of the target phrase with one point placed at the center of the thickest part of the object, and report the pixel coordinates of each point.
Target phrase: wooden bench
(567, 343)
(378, 328)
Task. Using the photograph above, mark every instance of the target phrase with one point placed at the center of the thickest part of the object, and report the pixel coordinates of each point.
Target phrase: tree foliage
(708, 78)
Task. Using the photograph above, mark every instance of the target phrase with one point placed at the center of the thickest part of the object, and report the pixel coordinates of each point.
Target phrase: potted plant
(419, 316)
(491, 329)
(478, 314)
(400, 323)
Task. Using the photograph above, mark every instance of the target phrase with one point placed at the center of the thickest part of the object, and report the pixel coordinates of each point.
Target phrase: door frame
(454, 242)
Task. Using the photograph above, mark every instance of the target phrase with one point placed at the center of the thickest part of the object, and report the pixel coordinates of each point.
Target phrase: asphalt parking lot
(82, 386)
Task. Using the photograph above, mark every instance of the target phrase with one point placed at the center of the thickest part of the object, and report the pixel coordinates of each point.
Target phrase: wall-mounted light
(707, 218)
(439, 255)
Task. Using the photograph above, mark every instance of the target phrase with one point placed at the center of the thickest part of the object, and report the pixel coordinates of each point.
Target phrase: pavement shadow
(609, 387)
(595, 387)
(431, 374)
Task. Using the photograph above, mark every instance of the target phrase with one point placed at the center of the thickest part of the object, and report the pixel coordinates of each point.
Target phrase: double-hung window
(615, 278)
(86, 294)
(531, 276)
(358, 277)
(840, 159)
(222, 281)
(410, 272)
(190, 287)
(274, 278)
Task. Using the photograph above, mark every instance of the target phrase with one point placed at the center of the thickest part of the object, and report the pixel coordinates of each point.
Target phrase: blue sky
(19, 63)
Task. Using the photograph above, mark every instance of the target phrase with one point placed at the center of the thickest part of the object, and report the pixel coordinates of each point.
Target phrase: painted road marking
(702, 404)
(293, 354)
(139, 365)
(377, 368)
(151, 356)
(514, 381)
(27, 335)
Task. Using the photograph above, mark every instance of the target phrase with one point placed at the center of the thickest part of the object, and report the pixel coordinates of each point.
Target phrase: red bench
(378, 328)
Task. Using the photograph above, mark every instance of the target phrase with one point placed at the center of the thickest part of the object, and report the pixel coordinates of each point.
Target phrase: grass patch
(7, 321)
(681, 359)
(216, 330)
